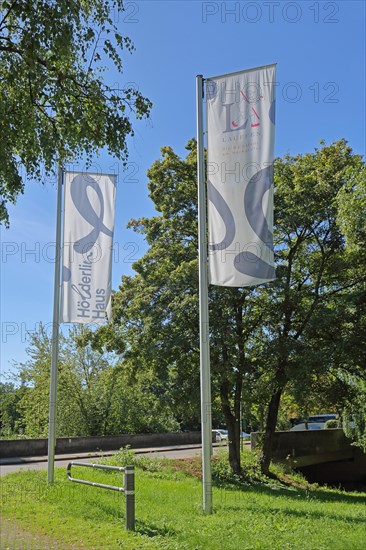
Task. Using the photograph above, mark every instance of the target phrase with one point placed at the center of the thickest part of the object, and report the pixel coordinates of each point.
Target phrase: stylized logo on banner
(87, 247)
(240, 126)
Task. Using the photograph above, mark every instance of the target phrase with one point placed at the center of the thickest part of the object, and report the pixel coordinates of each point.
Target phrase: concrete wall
(306, 442)
(324, 456)
(351, 474)
(65, 445)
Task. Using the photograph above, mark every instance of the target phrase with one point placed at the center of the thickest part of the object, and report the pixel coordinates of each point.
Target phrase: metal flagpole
(55, 336)
(206, 422)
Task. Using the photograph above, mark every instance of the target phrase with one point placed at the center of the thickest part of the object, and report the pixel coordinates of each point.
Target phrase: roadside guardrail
(128, 486)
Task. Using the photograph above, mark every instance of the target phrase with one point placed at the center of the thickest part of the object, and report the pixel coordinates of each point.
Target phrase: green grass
(169, 514)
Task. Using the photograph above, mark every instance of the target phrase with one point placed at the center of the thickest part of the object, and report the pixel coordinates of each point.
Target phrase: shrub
(333, 423)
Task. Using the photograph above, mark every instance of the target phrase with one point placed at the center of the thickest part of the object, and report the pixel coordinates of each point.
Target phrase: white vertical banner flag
(240, 146)
(89, 208)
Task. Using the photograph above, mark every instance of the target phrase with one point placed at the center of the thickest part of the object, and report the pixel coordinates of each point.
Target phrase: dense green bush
(333, 423)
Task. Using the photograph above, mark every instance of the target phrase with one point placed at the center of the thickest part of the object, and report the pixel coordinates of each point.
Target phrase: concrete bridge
(323, 456)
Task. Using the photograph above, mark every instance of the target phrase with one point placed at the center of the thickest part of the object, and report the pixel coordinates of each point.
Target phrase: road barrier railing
(128, 486)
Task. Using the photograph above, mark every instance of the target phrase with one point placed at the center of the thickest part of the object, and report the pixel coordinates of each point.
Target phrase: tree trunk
(234, 443)
(273, 407)
(233, 427)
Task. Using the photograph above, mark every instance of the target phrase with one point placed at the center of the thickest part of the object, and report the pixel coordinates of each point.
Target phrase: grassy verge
(249, 512)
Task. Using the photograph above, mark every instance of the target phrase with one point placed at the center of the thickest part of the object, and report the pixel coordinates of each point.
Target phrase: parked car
(221, 435)
(315, 418)
(311, 426)
(315, 422)
(322, 418)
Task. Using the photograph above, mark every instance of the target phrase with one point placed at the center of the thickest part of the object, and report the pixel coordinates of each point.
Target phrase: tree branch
(7, 14)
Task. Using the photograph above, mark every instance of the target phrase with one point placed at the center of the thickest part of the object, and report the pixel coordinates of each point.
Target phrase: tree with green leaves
(155, 312)
(351, 202)
(318, 277)
(262, 339)
(10, 417)
(354, 412)
(85, 384)
(96, 393)
(55, 102)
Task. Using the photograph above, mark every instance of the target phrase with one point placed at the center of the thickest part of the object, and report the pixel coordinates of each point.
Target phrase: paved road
(40, 463)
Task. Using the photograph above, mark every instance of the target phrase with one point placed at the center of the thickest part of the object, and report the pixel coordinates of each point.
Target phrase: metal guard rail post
(128, 486)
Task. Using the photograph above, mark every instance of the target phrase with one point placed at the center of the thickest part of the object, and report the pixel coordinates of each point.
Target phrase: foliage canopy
(55, 104)
(263, 339)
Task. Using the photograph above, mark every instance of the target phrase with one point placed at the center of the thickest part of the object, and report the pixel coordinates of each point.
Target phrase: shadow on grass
(287, 511)
(289, 491)
(152, 530)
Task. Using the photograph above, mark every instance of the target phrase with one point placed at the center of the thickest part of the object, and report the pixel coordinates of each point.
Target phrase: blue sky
(319, 48)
